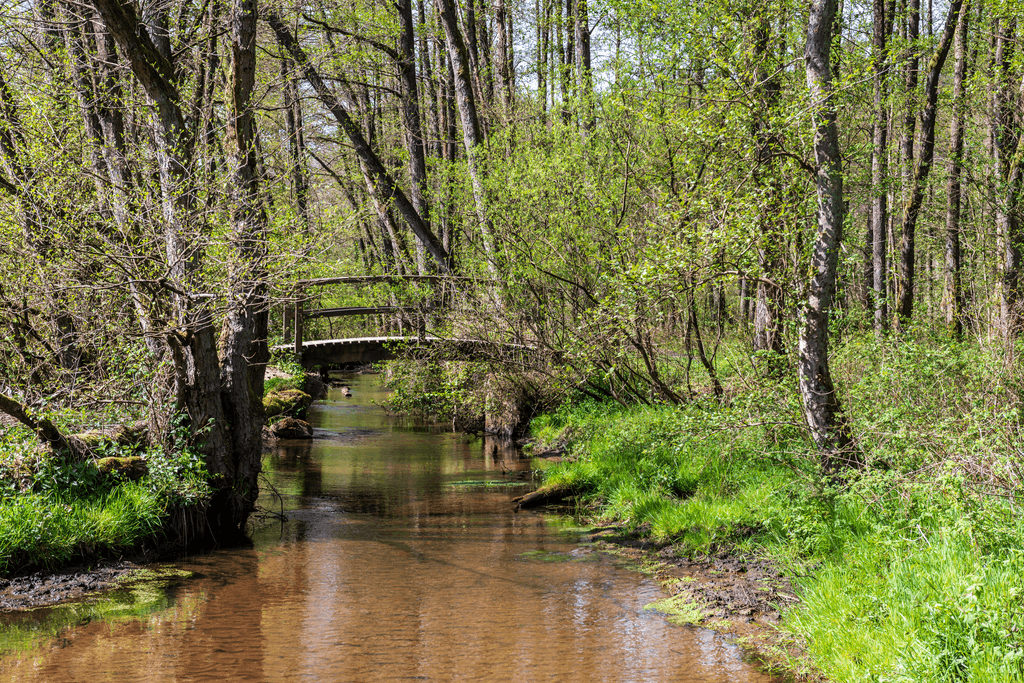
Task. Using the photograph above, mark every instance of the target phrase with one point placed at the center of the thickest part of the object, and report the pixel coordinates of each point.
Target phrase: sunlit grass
(907, 572)
(48, 531)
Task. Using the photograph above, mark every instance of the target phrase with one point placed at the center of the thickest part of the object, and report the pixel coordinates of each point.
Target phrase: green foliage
(71, 509)
(275, 384)
(908, 570)
(43, 530)
(930, 608)
(448, 392)
(663, 469)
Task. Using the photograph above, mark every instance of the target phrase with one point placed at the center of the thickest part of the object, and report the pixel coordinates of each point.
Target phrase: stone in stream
(291, 428)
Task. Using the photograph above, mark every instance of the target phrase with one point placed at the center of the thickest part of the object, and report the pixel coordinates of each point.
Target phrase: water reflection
(400, 560)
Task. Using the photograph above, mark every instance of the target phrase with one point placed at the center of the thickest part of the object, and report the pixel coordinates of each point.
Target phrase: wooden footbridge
(371, 349)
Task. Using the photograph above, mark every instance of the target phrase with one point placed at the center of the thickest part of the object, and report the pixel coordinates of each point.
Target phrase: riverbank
(741, 596)
(909, 569)
(131, 498)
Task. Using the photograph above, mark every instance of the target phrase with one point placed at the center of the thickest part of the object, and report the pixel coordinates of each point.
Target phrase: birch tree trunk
(821, 405)
(472, 138)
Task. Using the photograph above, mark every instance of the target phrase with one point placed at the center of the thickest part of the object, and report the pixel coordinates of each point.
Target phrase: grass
(54, 513)
(41, 529)
(910, 570)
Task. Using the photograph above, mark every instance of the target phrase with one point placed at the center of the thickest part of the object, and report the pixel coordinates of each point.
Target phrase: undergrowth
(54, 512)
(911, 569)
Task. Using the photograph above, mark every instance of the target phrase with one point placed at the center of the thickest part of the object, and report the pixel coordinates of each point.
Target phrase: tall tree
(915, 194)
(879, 172)
(767, 91)
(954, 188)
(218, 394)
(1005, 136)
(821, 404)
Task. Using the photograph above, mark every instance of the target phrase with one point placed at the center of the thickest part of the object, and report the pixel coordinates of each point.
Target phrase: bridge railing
(297, 314)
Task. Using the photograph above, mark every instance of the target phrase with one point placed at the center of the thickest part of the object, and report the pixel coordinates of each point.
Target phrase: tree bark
(294, 126)
(822, 410)
(1006, 151)
(879, 172)
(912, 207)
(412, 122)
(954, 290)
(231, 451)
(503, 47)
(243, 342)
(905, 269)
(585, 79)
(768, 306)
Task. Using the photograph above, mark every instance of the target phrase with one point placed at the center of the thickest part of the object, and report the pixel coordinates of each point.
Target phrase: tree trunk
(228, 436)
(905, 270)
(912, 208)
(954, 291)
(503, 47)
(296, 141)
(585, 85)
(543, 33)
(879, 172)
(768, 307)
(412, 123)
(568, 50)
(1006, 149)
(821, 405)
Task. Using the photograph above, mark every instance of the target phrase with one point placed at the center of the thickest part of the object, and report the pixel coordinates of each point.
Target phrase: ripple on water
(390, 567)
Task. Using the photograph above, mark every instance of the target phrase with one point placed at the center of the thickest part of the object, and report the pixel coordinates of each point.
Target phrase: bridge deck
(374, 349)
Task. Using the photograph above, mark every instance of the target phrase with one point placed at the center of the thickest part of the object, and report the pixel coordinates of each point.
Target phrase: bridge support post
(298, 327)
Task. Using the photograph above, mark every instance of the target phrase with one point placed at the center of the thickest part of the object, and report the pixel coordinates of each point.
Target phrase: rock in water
(291, 428)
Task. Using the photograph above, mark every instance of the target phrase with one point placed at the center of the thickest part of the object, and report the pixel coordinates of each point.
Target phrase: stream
(401, 560)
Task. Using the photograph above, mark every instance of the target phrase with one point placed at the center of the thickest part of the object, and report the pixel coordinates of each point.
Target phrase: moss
(131, 467)
(286, 402)
(680, 609)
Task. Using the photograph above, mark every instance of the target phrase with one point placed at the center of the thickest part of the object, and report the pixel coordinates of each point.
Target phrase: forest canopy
(651, 193)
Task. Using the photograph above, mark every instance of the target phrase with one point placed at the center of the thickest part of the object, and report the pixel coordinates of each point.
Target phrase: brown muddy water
(401, 560)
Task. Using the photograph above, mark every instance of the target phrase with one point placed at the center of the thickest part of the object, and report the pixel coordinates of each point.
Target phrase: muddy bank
(45, 588)
(727, 592)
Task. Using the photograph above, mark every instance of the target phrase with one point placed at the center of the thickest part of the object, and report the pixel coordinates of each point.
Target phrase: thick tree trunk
(243, 341)
(821, 405)
(228, 435)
